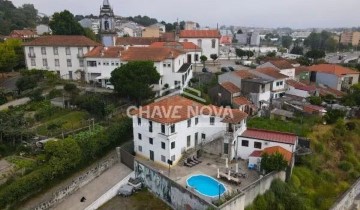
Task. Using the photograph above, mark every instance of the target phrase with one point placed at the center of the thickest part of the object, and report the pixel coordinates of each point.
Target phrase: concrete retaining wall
(109, 194)
(348, 198)
(78, 182)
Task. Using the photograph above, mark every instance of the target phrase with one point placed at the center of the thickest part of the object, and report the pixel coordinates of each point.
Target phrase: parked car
(231, 68)
(205, 70)
(238, 62)
(225, 69)
(109, 86)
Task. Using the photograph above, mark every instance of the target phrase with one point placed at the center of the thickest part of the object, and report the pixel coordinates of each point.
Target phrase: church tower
(107, 24)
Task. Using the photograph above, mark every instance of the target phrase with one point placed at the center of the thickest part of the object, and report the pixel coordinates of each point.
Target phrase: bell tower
(107, 24)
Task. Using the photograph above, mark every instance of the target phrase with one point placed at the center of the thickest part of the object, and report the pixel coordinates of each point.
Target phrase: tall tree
(135, 80)
(315, 54)
(214, 57)
(286, 41)
(297, 50)
(8, 58)
(240, 53)
(273, 162)
(64, 23)
(203, 59)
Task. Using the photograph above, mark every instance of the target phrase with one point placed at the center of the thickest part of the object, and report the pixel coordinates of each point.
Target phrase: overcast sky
(262, 13)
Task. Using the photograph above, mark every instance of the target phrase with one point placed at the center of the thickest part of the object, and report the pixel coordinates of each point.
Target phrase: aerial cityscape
(188, 105)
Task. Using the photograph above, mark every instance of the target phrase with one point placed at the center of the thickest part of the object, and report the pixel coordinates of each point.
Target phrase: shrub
(94, 104)
(345, 166)
(36, 95)
(54, 93)
(70, 87)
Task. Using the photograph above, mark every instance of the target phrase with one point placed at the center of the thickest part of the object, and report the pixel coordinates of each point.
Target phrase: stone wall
(169, 191)
(348, 198)
(78, 182)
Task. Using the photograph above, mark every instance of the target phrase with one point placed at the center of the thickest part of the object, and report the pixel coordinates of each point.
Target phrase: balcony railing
(32, 55)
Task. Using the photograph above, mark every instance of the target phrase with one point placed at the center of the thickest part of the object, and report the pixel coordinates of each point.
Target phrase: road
(14, 103)
(344, 57)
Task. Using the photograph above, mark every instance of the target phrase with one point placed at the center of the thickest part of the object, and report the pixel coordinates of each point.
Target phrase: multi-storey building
(350, 38)
(62, 54)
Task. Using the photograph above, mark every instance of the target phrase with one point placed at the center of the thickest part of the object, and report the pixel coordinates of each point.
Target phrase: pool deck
(209, 166)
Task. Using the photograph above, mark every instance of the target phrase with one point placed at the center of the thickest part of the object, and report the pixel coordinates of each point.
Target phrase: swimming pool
(206, 185)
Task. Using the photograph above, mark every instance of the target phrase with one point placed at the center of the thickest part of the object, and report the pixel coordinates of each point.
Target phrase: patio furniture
(232, 180)
(187, 164)
(195, 158)
(191, 162)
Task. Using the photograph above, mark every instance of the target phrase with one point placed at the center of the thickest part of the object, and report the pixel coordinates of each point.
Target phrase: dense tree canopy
(64, 23)
(321, 41)
(315, 54)
(273, 162)
(286, 41)
(135, 80)
(12, 18)
(297, 50)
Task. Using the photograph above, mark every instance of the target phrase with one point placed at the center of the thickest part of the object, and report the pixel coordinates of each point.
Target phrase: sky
(260, 13)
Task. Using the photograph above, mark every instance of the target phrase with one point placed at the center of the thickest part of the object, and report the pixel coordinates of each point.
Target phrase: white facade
(244, 151)
(100, 69)
(208, 45)
(68, 62)
(170, 145)
(297, 92)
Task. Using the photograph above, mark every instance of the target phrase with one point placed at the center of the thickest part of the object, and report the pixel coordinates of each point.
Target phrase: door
(189, 58)
(70, 75)
(152, 155)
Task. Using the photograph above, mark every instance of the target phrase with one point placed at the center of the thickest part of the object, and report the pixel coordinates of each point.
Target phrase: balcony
(31, 55)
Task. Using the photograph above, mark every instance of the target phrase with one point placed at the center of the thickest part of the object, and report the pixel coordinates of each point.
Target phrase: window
(212, 120)
(257, 145)
(139, 136)
(245, 143)
(45, 62)
(112, 63)
(162, 145)
(203, 136)
(199, 42)
(67, 50)
(80, 52)
(68, 62)
(33, 63)
(139, 120)
(140, 148)
(164, 64)
(188, 141)
(91, 63)
(213, 43)
(57, 62)
(56, 51)
(173, 158)
(173, 145)
(172, 128)
(279, 83)
(99, 63)
(163, 128)
(43, 51)
(196, 121)
(150, 126)
(196, 57)
(151, 141)
(189, 123)
(196, 136)
(81, 63)
(163, 159)
(117, 63)
(169, 65)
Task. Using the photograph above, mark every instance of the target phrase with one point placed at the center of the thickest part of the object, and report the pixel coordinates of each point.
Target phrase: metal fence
(126, 155)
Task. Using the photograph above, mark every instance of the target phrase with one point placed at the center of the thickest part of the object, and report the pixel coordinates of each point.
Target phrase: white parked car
(109, 86)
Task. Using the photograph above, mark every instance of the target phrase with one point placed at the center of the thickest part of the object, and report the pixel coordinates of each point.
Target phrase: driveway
(10, 83)
(94, 189)
(14, 103)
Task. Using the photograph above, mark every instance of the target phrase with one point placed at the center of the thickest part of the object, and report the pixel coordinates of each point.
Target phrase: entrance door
(152, 155)
(189, 58)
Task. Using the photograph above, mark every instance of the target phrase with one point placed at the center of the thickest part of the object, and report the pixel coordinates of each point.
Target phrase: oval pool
(206, 185)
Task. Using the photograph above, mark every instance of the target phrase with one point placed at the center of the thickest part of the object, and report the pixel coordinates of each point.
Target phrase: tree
(90, 34)
(286, 41)
(304, 61)
(239, 31)
(214, 57)
(315, 54)
(135, 80)
(94, 104)
(333, 115)
(8, 58)
(249, 54)
(271, 54)
(315, 100)
(16, 45)
(203, 59)
(25, 83)
(273, 162)
(240, 53)
(297, 50)
(64, 23)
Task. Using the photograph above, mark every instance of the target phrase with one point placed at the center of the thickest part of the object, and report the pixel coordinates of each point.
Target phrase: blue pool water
(206, 185)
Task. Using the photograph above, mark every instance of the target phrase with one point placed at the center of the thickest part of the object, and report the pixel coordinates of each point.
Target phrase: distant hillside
(12, 18)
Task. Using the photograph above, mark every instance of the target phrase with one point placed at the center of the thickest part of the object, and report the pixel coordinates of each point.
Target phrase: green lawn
(21, 162)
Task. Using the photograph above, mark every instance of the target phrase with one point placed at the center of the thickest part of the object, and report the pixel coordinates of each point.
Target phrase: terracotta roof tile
(168, 37)
(256, 153)
(332, 69)
(200, 34)
(62, 40)
(230, 87)
(330, 91)
(177, 108)
(244, 74)
(131, 41)
(155, 54)
(277, 149)
(271, 72)
(241, 101)
(300, 86)
(301, 69)
(286, 138)
(22, 33)
(281, 64)
(177, 45)
(105, 52)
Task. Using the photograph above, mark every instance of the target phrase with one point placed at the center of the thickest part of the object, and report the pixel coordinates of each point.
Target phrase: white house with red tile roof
(207, 40)
(59, 53)
(278, 80)
(283, 66)
(170, 63)
(193, 52)
(166, 129)
(256, 156)
(300, 89)
(100, 62)
(334, 76)
(257, 139)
